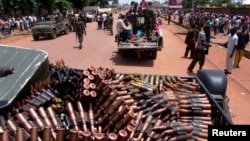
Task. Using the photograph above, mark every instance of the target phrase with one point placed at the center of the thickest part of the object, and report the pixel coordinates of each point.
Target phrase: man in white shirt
(121, 27)
(104, 20)
(231, 46)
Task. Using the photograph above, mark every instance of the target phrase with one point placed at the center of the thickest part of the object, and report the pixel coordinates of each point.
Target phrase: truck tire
(66, 30)
(53, 34)
(214, 80)
(154, 54)
(35, 37)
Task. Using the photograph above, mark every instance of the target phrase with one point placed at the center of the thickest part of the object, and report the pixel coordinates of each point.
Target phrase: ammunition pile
(98, 104)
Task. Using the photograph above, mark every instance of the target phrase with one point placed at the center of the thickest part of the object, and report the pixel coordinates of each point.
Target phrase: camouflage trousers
(198, 57)
(80, 38)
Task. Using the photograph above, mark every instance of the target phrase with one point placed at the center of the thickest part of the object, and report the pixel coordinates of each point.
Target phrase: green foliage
(35, 6)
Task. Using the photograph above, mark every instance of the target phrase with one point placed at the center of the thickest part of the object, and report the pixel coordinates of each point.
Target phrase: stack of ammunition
(98, 104)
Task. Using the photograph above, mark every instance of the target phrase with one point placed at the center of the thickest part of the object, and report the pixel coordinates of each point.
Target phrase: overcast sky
(129, 1)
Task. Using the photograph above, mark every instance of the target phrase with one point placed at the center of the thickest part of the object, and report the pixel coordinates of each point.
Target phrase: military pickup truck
(50, 28)
(146, 42)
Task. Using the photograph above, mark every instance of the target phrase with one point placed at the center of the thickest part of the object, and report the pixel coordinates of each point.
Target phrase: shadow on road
(132, 61)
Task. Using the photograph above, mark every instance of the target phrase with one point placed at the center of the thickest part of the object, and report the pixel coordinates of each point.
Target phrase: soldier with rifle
(80, 29)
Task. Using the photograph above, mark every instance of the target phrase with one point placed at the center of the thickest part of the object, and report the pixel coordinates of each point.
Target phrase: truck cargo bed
(145, 46)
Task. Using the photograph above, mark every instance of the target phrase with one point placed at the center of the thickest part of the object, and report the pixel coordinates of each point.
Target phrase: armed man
(80, 29)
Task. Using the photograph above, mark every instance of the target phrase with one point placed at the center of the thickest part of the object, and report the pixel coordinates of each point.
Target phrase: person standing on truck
(200, 51)
(190, 41)
(121, 28)
(80, 29)
(150, 18)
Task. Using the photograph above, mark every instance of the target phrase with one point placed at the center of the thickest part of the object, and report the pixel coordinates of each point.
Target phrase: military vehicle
(144, 41)
(50, 28)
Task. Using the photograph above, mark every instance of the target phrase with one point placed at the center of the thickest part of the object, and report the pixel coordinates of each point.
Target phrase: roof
(29, 66)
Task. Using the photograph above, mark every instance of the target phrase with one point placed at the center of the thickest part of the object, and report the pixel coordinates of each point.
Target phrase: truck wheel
(154, 54)
(160, 43)
(35, 37)
(53, 34)
(66, 30)
(214, 80)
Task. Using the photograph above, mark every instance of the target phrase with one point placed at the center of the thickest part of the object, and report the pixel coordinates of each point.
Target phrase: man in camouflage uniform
(150, 18)
(110, 23)
(80, 29)
(190, 41)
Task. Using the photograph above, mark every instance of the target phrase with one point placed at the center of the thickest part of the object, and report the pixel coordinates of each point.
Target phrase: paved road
(99, 49)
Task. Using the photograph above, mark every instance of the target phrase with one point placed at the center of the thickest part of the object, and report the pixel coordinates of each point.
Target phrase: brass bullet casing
(122, 135)
(128, 117)
(44, 116)
(181, 137)
(101, 85)
(53, 119)
(112, 137)
(34, 134)
(145, 126)
(72, 114)
(152, 133)
(93, 94)
(36, 118)
(20, 134)
(118, 116)
(86, 73)
(86, 81)
(91, 118)
(23, 121)
(111, 109)
(130, 129)
(47, 133)
(60, 134)
(91, 77)
(11, 126)
(82, 115)
(86, 86)
(86, 135)
(92, 86)
(99, 137)
(91, 68)
(105, 105)
(5, 135)
(73, 135)
(86, 93)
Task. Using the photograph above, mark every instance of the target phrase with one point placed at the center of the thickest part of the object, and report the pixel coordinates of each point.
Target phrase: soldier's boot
(80, 46)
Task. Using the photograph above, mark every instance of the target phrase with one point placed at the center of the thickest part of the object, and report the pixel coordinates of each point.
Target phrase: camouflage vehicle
(145, 43)
(50, 28)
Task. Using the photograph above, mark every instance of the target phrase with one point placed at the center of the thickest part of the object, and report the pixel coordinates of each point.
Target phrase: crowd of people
(204, 25)
(19, 23)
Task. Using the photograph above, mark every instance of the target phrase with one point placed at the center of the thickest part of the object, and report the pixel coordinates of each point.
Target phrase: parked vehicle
(50, 28)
